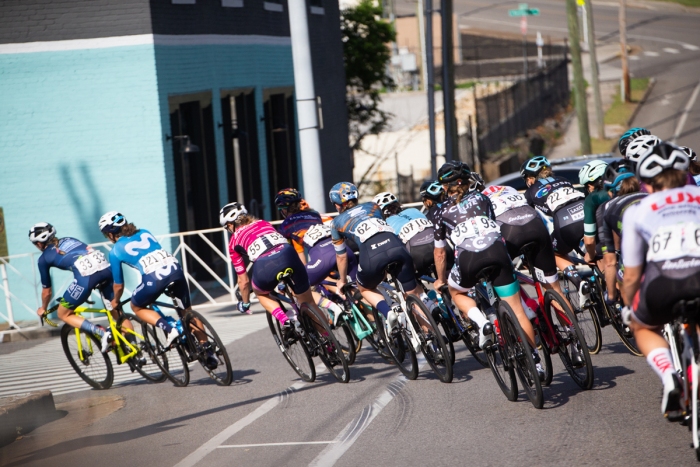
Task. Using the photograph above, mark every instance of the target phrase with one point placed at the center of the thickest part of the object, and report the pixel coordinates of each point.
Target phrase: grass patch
(620, 112)
(684, 2)
(601, 146)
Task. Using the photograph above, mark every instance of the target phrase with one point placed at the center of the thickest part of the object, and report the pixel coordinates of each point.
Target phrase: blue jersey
(408, 223)
(141, 251)
(359, 224)
(64, 256)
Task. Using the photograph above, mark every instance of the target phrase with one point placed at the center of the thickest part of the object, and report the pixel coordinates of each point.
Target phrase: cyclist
(628, 137)
(467, 218)
(640, 145)
(90, 270)
(432, 194)
(378, 245)
(556, 197)
(694, 168)
(271, 254)
(591, 177)
(661, 252)
(139, 249)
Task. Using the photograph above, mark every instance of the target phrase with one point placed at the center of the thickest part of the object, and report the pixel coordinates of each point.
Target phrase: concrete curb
(22, 413)
(25, 334)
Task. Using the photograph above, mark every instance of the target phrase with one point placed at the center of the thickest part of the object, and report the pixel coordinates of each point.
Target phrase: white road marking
(634, 57)
(650, 53)
(690, 47)
(686, 111)
(670, 50)
(294, 443)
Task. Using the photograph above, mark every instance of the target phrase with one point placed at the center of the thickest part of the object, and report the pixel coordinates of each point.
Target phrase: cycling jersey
(697, 179)
(359, 223)
(254, 241)
(609, 219)
(593, 201)
(305, 229)
(412, 227)
(551, 194)
(142, 252)
(469, 223)
(70, 255)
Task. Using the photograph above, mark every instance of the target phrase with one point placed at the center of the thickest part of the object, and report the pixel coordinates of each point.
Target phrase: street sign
(523, 10)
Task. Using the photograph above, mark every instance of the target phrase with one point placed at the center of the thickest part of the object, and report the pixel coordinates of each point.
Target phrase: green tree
(366, 36)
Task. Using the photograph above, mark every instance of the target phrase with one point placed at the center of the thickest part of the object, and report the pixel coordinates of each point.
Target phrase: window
(317, 7)
(274, 5)
(232, 3)
(184, 2)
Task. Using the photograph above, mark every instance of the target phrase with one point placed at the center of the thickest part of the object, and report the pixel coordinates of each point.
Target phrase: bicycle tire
(89, 367)
(442, 324)
(345, 337)
(470, 336)
(150, 370)
(586, 316)
(520, 353)
(327, 346)
(398, 347)
(545, 357)
(501, 368)
(623, 331)
(294, 350)
(573, 336)
(223, 373)
(432, 343)
(174, 366)
(375, 340)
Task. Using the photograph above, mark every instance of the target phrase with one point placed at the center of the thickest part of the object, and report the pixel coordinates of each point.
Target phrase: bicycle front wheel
(83, 352)
(293, 349)
(470, 335)
(586, 315)
(208, 347)
(343, 334)
(546, 358)
(430, 337)
(501, 367)
(144, 362)
(171, 360)
(323, 340)
(399, 347)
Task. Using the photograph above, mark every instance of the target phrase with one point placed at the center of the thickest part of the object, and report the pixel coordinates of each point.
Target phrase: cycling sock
(383, 307)
(330, 304)
(164, 325)
(93, 329)
(280, 315)
(477, 316)
(661, 362)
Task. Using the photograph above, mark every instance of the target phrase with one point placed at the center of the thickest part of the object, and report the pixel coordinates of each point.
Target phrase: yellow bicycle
(83, 349)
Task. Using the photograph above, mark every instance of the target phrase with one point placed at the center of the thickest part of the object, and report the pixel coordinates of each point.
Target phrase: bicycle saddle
(528, 248)
(169, 290)
(488, 273)
(393, 268)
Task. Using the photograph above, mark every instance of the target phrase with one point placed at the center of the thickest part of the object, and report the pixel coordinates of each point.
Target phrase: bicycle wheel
(431, 340)
(470, 336)
(446, 327)
(324, 342)
(343, 334)
(501, 367)
(171, 360)
(520, 353)
(569, 334)
(197, 328)
(83, 352)
(398, 346)
(144, 362)
(293, 349)
(375, 339)
(622, 330)
(586, 315)
(545, 357)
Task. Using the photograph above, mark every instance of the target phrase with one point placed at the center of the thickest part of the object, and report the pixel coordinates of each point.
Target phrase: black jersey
(470, 223)
(551, 194)
(609, 218)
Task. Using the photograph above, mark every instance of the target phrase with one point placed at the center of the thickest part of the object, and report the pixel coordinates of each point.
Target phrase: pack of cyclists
(637, 218)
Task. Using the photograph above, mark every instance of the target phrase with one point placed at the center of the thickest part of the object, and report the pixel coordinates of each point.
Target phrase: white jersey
(664, 228)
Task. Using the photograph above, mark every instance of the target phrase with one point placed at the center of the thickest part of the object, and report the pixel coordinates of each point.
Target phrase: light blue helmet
(342, 193)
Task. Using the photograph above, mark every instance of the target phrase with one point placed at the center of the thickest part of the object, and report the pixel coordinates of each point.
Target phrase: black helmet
(431, 189)
(452, 171)
(616, 172)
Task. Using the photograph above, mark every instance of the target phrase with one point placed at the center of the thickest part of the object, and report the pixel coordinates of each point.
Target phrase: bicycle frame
(118, 336)
(358, 323)
(402, 301)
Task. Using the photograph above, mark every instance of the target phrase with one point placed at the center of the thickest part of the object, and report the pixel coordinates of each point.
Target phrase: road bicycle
(557, 327)
(342, 326)
(315, 339)
(84, 354)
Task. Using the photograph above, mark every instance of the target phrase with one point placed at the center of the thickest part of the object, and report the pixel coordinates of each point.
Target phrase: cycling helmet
(41, 232)
(452, 171)
(385, 199)
(431, 189)
(691, 154)
(342, 193)
(112, 222)
(639, 146)
(629, 136)
(229, 213)
(532, 167)
(616, 172)
(592, 171)
(476, 182)
(287, 197)
(660, 157)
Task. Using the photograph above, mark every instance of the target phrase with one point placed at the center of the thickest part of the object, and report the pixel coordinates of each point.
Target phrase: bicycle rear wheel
(83, 352)
(586, 315)
(171, 360)
(470, 336)
(501, 367)
(520, 353)
(374, 339)
(194, 323)
(399, 347)
(545, 357)
(144, 362)
(622, 330)
(324, 342)
(431, 340)
(293, 349)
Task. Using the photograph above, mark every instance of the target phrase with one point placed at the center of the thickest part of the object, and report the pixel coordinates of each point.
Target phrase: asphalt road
(378, 418)
(664, 37)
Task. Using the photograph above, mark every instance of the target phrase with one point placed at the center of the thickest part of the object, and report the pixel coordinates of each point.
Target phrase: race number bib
(317, 232)
(505, 203)
(371, 227)
(264, 243)
(155, 260)
(412, 228)
(91, 263)
(562, 196)
(473, 227)
(674, 241)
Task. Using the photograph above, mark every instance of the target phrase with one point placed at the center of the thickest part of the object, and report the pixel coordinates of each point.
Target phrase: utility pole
(579, 87)
(421, 38)
(430, 85)
(625, 85)
(448, 82)
(600, 119)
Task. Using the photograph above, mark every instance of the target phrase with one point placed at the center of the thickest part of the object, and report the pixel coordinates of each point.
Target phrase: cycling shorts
(322, 261)
(79, 290)
(468, 264)
(662, 289)
(516, 236)
(152, 286)
(377, 253)
(268, 267)
(568, 228)
(423, 258)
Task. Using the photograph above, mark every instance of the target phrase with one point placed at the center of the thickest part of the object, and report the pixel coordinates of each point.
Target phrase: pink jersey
(244, 237)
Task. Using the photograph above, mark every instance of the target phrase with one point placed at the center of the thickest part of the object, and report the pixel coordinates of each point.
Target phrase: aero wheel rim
(88, 357)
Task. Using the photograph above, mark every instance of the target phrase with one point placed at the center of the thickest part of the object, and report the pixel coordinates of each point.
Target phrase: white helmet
(112, 222)
(41, 232)
(661, 157)
(592, 171)
(639, 146)
(231, 212)
(385, 199)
